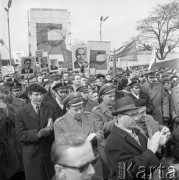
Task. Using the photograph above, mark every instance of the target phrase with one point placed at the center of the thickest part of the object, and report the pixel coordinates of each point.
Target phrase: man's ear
(59, 172)
(29, 94)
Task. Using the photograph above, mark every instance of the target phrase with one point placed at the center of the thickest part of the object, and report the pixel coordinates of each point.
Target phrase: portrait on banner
(17, 56)
(99, 55)
(28, 65)
(54, 65)
(7, 70)
(38, 54)
(44, 62)
(98, 59)
(79, 57)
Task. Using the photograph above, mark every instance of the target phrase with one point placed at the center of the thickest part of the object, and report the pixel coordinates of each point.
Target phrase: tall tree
(160, 29)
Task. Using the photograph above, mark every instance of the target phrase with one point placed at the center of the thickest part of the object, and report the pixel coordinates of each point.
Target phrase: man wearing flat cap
(139, 97)
(34, 129)
(51, 96)
(106, 121)
(155, 91)
(92, 82)
(143, 77)
(16, 90)
(88, 103)
(16, 102)
(78, 121)
(60, 92)
(127, 148)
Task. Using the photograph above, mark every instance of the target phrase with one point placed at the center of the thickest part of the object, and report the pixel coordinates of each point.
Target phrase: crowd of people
(72, 126)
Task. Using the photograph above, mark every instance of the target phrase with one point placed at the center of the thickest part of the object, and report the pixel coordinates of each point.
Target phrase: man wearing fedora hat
(127, 148)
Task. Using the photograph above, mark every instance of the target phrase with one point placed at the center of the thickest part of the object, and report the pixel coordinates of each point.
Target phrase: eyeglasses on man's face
(83, 167)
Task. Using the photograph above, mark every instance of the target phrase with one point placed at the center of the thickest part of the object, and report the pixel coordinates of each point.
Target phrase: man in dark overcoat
(33, 127)
(130, 155)
(155, 91)
(9, 162)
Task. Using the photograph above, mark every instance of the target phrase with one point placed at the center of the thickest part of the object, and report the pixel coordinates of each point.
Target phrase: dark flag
(67, 55)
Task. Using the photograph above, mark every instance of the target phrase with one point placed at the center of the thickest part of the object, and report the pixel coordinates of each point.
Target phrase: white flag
(152, 59)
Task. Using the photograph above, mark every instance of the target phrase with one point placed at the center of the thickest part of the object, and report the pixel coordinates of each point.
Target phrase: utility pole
(114, 64)
(101, 21)
(29, 33)
(7, 10)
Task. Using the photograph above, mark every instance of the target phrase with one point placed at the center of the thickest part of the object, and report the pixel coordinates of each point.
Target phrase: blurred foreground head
(73, 157)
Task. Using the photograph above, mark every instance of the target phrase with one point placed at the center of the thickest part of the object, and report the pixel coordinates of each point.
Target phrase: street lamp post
(7, 10)
(101, 21)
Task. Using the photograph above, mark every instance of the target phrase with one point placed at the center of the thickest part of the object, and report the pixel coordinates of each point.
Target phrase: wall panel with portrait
(28, 65)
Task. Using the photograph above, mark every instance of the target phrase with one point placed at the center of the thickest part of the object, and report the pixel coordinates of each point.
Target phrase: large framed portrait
(28, 65)
(79, 57)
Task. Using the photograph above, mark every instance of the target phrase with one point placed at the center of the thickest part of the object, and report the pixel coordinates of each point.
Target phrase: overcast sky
(85, 19)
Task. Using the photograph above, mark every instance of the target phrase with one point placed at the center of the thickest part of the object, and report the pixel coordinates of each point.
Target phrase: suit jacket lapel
(141, 140)
(155, 90)
(43, 115)
(31, 112)
(133, 142)
(122, 133)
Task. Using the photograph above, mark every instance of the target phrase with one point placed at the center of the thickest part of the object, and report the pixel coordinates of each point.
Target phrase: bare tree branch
(161, 28)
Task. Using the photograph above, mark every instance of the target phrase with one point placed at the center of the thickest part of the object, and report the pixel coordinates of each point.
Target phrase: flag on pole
(9, 3)
(152, 61)
(67, 55)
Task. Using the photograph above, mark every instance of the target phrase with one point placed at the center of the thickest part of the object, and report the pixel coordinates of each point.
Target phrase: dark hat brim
(123, 110)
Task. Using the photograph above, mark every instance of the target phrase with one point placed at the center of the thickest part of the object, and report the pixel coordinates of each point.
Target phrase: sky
(85, 19)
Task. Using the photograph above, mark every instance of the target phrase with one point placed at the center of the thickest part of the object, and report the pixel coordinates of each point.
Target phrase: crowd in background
(36, 110)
